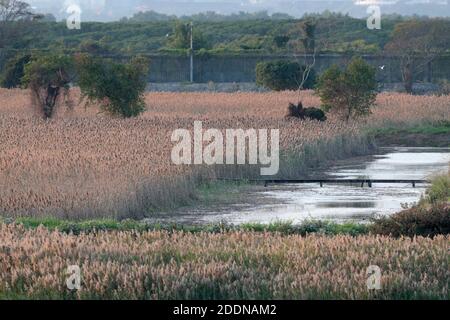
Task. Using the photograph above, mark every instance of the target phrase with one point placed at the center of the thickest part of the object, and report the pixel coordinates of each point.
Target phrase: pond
(339, 203)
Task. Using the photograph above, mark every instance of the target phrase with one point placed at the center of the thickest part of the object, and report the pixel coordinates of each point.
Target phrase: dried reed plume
(83, 164)
(237, 265)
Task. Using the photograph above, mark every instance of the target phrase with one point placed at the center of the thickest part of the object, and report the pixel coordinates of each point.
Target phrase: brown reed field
(229, 265)
(84, 164)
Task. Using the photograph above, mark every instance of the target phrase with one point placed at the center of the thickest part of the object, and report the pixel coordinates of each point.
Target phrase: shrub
(14, 71)
(315, 114)
(440, 190)
(48, 76)
(444, 87)
(350, 92)
(298, 111)
(117, 87)
(282, 75)
(417, 221)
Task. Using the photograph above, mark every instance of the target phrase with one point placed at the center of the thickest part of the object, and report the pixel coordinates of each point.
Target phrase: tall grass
(230, 265)
(84, 165)
(439, 191)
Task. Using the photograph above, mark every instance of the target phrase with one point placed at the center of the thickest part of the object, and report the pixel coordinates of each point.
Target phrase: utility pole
(192, 52)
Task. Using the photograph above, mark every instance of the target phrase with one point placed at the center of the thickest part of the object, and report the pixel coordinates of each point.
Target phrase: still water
(338, 203)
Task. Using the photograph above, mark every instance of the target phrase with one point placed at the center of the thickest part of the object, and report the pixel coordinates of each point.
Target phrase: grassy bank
(430, 217)
(423, 135)
(416, 221)
(283, 228)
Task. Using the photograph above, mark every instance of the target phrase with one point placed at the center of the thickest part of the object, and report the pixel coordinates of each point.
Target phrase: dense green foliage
(14, 71)
(48, 76)
(282, 75)
(181, 37)
(334, 33)
(117, 87)
(350, 92)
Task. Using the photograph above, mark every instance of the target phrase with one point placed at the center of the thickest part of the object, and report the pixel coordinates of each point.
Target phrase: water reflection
(347, 204)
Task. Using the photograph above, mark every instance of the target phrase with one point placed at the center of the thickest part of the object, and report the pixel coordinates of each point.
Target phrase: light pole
(192, 52)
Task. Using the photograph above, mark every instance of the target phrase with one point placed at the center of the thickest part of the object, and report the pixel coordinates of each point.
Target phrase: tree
(281, 41)
(282, 75)
(351, 92)
(13, 10)
(14, 71)
(181, 37)
(93, 47)
(48, 17)
(48, 77)
(417, 43)
(305, 33)
(117, 87)
(13, 13)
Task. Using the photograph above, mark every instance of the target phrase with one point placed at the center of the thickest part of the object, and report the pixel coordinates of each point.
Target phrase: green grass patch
(220, 190)
(286, 228)
(307, 227)
(442, 127)
(82, 226)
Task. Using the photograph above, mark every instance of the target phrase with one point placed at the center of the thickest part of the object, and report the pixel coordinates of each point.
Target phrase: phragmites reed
(82, 164)
(236, 265)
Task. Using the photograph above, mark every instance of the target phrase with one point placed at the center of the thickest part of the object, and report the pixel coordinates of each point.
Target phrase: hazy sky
(103, 10)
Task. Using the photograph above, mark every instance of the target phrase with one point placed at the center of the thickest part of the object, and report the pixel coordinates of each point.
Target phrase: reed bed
(236, 265)
(87, 165)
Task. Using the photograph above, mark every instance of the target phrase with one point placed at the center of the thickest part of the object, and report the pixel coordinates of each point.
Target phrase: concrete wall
(229, 69)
